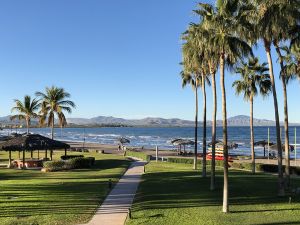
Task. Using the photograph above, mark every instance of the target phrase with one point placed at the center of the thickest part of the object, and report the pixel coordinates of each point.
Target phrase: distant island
(109, 121)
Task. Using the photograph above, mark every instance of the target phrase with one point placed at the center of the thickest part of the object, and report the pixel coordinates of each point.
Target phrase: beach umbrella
(32, 142)
(183, 142)
(174, 141)
(220, 144)
(123, 140)
(263, 144)
(274, 147)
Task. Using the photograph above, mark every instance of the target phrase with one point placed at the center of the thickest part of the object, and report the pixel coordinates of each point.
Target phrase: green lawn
(33, 197)
(174, 194)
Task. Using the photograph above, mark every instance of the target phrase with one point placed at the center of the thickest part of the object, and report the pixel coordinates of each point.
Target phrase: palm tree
(190, 75)
(272, 20)
(54, 102)
(288, 65)
(230, 47)
(194, 81)
(207, 12)
(253, 75)
(26, 110)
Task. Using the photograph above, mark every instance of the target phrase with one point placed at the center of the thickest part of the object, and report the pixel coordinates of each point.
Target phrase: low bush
(54, 165)
(182, 160)
(81, 163)
(67, 157)
(139, 155)
(73, 163)
(191, 161)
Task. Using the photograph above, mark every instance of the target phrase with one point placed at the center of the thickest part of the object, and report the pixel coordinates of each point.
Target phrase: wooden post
(268, 143)
(156, 153)
(23, 166)
(9, 160)
(51, 154)
(295, 146)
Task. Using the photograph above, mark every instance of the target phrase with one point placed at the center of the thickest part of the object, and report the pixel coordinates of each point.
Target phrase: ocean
(161, 137)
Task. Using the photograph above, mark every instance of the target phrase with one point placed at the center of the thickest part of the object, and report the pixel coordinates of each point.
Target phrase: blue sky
(116, 58)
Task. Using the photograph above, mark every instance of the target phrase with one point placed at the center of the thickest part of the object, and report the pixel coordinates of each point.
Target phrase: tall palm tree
(191, 75)
(26, 110)
(195, 64)
(272, 20)
(207, 12)
(288, 65)
(230, 47)
(253, 77)
(55, 102)
(196, 81)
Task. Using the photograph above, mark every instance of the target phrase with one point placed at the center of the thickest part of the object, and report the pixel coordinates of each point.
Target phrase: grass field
(62, 198)
(173, 194)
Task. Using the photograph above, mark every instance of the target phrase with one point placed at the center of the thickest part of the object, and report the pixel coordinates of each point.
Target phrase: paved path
(114, 209)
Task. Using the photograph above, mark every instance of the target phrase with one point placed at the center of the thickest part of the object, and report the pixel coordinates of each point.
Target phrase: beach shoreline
(113, 149)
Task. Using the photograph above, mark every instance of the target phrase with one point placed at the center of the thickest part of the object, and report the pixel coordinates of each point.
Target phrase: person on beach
(119, 147)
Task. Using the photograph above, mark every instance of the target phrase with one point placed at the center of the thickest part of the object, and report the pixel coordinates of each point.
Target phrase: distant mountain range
(240, 120)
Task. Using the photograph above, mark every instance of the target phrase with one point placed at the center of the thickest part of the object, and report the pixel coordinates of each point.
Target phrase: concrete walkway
(114, 209)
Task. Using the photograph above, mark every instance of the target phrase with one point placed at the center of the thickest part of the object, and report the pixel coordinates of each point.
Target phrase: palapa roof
(274, 147)
(183, 142)
(220, 144)
(32, 142)
(123, 140)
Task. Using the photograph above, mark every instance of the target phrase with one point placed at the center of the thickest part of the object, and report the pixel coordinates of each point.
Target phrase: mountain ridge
(239, 120)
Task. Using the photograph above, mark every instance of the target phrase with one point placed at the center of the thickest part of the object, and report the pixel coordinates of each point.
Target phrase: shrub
(67, 157)
(81, 163)
(74, 163)
(182, 160)
(191, 161)
(54, 165)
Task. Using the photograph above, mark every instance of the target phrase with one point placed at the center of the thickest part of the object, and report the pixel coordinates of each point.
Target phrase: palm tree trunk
(214, 119)
(225, 147)
(9, 159)
(23, 166)
(27, 125)
(252, 135)
(280, 170)
(286, 118)
(52, 128)
(196, 126)
(204, 127)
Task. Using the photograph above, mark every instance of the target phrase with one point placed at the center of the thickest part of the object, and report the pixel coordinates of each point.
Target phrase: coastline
(113, 149)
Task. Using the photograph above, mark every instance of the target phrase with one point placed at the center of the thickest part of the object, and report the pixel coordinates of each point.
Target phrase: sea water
(161, 137)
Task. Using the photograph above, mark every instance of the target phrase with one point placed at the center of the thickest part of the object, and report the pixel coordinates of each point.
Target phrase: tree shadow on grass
(280, 223)
(32, 193)
(185, 189)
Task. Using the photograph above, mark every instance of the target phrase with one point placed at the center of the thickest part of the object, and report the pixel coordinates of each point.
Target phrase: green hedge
(247, 166)
(67, 157)
(139, 155)
(75, 163)
(274, 169)
(238, 165)
(191, 161)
